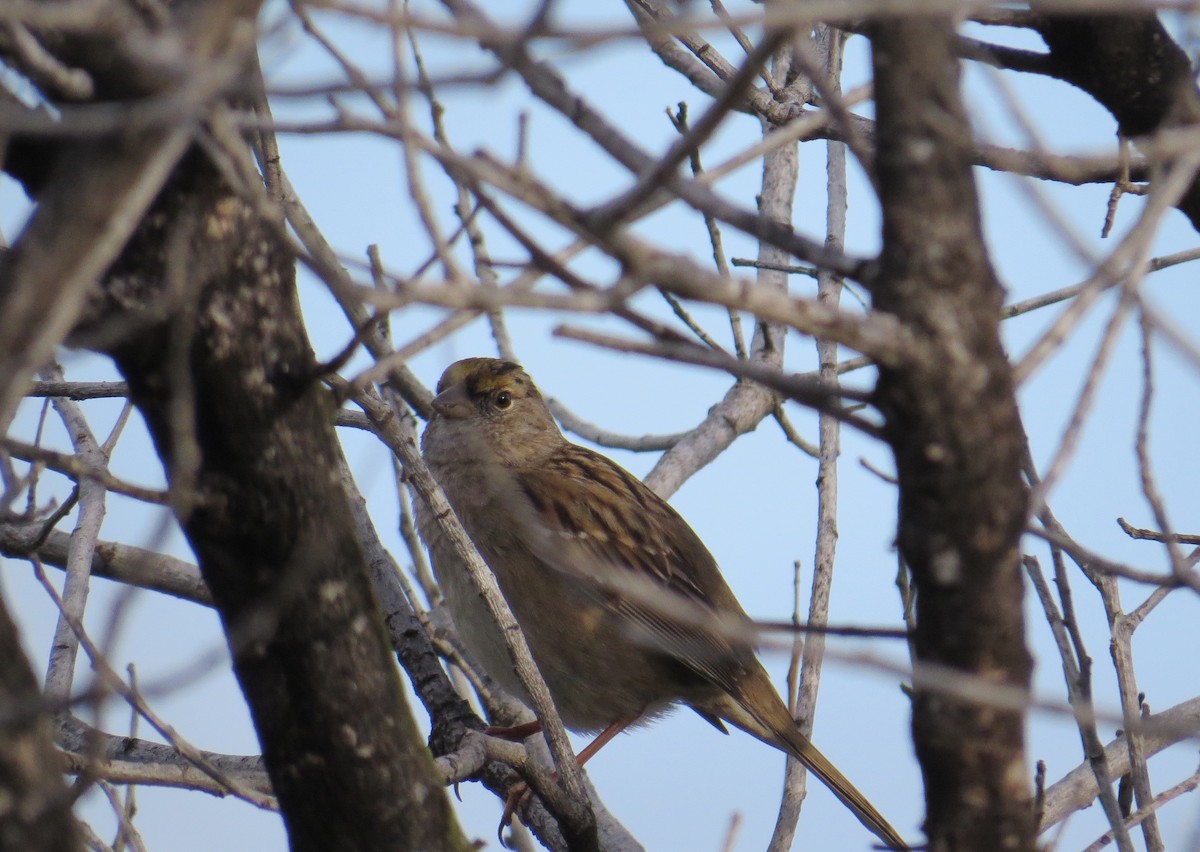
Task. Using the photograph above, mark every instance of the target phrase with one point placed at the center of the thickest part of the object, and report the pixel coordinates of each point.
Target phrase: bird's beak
(453, 403)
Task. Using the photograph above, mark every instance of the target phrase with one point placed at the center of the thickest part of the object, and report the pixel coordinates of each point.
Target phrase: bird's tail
(771, 722)
(798, 746)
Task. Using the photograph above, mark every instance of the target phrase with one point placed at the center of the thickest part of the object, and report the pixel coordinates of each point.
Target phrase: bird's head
(495, 401)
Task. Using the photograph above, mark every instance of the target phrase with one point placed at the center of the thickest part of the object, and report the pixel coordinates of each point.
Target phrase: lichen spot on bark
(332, 591)
(1015, 779)
(921, 150)
(947, 567)
(221, 224)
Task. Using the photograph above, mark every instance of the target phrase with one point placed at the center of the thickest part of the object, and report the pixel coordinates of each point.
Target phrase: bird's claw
(519, 796)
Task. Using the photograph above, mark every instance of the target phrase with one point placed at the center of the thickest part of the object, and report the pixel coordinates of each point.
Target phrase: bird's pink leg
(519, 794)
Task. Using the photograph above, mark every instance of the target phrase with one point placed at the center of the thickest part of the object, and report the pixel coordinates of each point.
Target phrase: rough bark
(35, 804)
(209, 337)
(199, 312)
(951, 420)
(1132, 66)
(92, 192)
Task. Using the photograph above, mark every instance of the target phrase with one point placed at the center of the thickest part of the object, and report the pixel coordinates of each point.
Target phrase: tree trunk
(952, 422)
(35, 804)
(211, 343)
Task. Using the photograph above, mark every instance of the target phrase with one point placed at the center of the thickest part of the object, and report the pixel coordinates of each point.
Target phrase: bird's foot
(518, 799)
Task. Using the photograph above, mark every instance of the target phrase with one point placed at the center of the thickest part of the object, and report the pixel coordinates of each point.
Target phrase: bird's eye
(502, 400)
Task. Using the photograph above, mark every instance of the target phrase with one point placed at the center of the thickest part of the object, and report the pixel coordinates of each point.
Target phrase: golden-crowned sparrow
(624, 609)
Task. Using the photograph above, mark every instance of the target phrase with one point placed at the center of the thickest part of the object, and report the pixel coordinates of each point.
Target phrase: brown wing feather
(651, 549)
